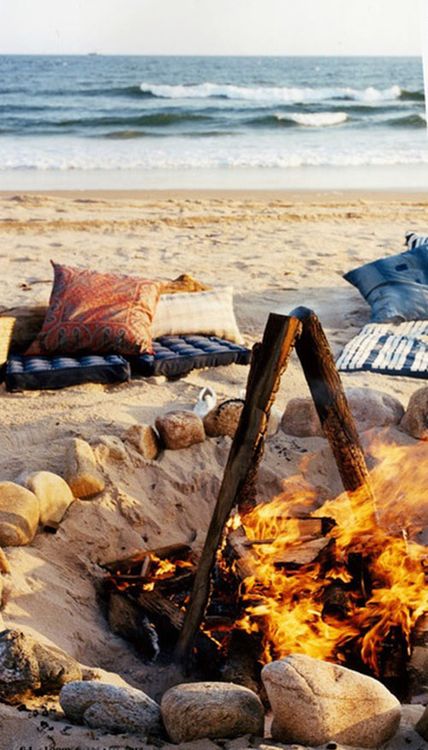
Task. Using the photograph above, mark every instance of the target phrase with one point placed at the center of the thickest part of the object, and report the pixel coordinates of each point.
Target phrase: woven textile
(209, 313)
(388, 349)
(175, 356)
(91, 312)
(34, 373)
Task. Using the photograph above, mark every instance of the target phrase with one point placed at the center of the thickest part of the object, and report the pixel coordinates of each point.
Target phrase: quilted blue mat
(34, 373)
(174, 356)
(388, 349)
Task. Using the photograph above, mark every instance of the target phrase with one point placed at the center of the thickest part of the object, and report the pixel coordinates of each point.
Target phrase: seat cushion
(177, 355)
(388, 349)
(208, 313)
(396, 287)
(34, 373)
(97, 313)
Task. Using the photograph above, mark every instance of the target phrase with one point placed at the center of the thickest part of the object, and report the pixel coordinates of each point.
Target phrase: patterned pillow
(415, 240)
(210, 313)
(97, 313)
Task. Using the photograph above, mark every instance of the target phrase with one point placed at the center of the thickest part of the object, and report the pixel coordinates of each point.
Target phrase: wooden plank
(268, 363)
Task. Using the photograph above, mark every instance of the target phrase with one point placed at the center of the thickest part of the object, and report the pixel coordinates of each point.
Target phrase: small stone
(211, 709)
(144, 438)
(115, 709)
(27, 666)
(369, 407)
(115, 446)
(19, 515)
(315, 702)
(4, 563)
(224, 418)
(300, 418)
(415, 420)
(53, 493)
(81, 471)
(180, 429)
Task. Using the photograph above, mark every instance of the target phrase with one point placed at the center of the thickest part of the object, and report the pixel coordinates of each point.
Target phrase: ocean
(100, 121)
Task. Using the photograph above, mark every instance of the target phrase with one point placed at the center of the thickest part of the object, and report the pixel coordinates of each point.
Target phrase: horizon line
(207, 55)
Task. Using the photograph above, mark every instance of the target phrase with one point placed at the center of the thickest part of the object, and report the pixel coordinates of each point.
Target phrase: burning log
(268, 363)
(170, 552)
(330, 401)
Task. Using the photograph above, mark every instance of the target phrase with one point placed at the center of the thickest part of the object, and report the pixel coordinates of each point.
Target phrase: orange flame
(376, 570)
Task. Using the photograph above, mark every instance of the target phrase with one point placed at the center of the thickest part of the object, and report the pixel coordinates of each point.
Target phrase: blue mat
(388, 349)
(175, 356)
(34, 373)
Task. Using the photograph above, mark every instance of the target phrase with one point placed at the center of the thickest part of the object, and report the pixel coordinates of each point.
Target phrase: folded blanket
(389, 349)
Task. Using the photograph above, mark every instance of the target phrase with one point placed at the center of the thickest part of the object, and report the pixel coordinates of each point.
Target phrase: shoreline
(307, 195)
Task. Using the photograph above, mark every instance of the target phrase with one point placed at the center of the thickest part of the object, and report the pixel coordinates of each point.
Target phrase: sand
(278, 250)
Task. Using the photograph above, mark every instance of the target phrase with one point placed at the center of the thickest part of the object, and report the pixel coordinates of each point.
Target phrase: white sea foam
(68, 153)
(315, 119)
(284, 94)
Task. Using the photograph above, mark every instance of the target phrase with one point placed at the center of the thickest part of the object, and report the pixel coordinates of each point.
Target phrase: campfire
(343, 583)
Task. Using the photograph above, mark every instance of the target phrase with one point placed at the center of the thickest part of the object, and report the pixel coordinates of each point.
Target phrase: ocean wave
(152, 119)
(269, 93)
(412, 96)
(417, 120)
(315, 119)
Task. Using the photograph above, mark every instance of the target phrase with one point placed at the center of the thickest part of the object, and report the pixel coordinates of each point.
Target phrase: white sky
(229, 27)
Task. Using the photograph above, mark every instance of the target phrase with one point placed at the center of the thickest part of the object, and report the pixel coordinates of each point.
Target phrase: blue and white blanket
(389, 349)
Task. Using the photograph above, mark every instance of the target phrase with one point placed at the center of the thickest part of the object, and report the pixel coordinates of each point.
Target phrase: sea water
(242, 122)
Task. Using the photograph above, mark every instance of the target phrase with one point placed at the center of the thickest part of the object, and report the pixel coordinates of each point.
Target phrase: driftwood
(268, 363)
(330, 401)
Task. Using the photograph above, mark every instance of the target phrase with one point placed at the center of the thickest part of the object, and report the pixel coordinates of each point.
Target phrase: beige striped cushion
(210, 313)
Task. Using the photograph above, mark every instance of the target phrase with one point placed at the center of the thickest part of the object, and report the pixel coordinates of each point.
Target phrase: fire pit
(336, 584)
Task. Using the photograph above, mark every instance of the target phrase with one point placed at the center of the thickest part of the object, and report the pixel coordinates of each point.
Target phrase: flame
(373, 566)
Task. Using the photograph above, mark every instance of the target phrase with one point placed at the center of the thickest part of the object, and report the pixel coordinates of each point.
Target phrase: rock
(115, 447)
(224, 419)
(144, 438)
(180, 429)
(27, 666)
(19, 515)
(315, 702)
(370, 408)
(4, 563)
(415, 420)
(53, 493)
(111, 708)
(81, 471)
(211, 709)
(422, 725)
(301, 419)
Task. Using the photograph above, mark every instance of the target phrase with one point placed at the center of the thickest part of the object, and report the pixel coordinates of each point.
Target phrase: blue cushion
(177, 355)
(34, 373)
(396, 288)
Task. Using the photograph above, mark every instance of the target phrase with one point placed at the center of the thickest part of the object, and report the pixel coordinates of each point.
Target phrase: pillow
(396, 288)
(210, 313)
(415, 240)
(97, 313)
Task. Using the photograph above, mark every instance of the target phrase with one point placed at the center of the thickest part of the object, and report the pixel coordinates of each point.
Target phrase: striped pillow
(209, 313)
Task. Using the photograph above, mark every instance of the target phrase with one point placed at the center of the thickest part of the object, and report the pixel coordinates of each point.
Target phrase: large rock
(180, 429)
(109, 707)
(224, 418)
(144, 438)
(113, 447)
(415, 420)
(53, 493)
(19, 515)
(314, 702)
(27, 666)
(369, 407)
(211, 709)
(81, 471)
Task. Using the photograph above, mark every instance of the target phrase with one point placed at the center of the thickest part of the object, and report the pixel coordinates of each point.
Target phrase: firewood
(300, 554)
(170, 552)
(126, 619)
(336, 419)
(268, 363)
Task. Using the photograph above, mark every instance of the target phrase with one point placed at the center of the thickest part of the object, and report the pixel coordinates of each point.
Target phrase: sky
(222, 27)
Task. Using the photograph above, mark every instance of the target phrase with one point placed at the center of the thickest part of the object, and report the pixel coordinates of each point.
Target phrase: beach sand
(278, 250)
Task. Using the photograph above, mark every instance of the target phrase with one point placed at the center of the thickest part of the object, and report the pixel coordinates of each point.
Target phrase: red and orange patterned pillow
(97, 312)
